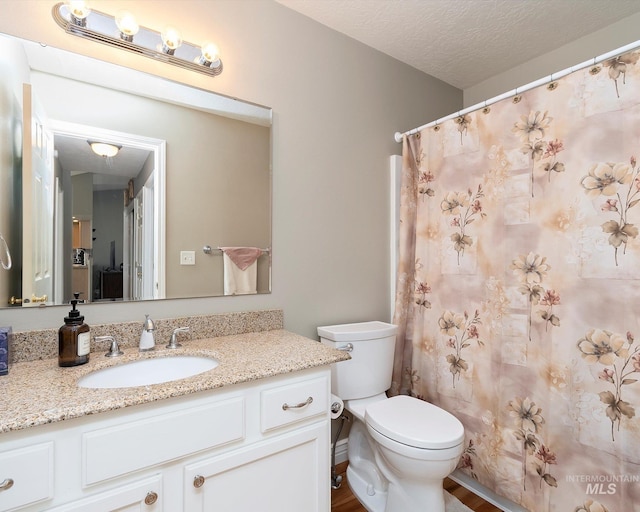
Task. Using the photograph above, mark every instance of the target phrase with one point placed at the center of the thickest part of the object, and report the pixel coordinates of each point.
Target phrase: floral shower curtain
(518, 301)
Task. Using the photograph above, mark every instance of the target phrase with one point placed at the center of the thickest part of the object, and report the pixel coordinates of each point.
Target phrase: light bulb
(127, 25)
(171, 39)
(210, 55)
(79, 12)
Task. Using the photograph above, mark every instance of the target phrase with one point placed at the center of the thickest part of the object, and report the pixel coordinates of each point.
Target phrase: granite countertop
(40, 392)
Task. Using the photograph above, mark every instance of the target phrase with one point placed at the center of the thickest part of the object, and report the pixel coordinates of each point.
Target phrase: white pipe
(395, 179)
(531, 85)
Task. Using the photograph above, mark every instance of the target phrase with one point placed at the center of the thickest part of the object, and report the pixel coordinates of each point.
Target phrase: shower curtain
(518, 304)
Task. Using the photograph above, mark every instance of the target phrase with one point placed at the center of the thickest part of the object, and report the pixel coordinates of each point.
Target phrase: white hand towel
(239, 282)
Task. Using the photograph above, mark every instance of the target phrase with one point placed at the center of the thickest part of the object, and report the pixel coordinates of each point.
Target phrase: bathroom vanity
(251, 434)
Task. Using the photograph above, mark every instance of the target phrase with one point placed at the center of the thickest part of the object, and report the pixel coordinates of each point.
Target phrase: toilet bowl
(400, 449)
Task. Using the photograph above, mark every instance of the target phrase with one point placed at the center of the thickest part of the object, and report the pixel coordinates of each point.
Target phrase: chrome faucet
(173, 343)
(147, 338)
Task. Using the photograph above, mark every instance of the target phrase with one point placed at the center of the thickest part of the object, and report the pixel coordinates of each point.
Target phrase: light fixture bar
(102, 28)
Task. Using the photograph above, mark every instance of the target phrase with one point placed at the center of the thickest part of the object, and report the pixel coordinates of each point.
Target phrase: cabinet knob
(6, 484)
(150, 498)
(198, 481)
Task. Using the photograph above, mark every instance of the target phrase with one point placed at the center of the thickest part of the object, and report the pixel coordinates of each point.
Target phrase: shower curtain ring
(517, 97)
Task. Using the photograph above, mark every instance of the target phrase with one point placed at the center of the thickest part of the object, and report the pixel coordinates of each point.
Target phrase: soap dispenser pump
(74, 340)
(147, 338)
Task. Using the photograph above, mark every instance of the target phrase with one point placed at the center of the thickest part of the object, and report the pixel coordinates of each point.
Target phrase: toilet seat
(415, 423)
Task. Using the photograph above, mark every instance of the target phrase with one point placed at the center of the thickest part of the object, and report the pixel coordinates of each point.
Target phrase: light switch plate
(187, 257)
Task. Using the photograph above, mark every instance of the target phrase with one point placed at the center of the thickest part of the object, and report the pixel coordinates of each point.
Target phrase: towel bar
(207, 249)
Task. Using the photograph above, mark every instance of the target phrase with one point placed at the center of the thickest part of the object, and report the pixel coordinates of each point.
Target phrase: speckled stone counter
(40, 392)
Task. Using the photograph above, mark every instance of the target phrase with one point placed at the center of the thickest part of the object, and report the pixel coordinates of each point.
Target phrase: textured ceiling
(464, 42)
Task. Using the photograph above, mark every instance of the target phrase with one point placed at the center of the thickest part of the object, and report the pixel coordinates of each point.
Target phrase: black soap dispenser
(74, 340)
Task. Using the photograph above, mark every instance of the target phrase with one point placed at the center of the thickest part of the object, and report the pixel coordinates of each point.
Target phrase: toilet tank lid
(357, 331)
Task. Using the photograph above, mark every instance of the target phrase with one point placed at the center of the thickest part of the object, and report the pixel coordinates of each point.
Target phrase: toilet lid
(414, 422)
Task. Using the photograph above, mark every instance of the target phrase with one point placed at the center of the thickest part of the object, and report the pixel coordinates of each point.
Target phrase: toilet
(401, 448)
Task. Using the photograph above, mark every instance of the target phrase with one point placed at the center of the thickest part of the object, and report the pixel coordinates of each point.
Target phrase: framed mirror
(190, 173)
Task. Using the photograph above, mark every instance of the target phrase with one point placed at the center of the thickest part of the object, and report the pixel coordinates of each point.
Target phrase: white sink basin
(148, 371)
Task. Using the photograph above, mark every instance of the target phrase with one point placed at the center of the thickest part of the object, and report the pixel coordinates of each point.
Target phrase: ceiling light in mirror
(104, 149)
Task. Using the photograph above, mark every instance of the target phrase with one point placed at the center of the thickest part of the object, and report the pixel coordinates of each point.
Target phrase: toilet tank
(368, 372)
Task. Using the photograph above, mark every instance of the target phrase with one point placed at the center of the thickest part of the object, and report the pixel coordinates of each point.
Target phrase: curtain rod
(553, 76)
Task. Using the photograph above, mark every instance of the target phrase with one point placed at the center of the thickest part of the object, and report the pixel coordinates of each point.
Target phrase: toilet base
(385, 481)
(375, 503)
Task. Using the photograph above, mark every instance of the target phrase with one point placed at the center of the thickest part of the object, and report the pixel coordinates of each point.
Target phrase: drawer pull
(308, 401)
(6, 484)
(198, 481)
(151, 498)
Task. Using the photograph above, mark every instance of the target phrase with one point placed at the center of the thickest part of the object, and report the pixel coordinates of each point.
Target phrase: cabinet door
(289, 473)
(141, 496)
(26, 476)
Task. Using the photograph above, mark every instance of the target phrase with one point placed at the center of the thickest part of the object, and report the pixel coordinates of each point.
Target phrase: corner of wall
(597, 43)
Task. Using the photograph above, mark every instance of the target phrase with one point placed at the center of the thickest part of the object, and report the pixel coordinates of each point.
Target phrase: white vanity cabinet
(262, 445)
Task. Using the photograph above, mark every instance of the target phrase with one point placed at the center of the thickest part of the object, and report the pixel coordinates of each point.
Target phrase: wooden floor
(343, 501)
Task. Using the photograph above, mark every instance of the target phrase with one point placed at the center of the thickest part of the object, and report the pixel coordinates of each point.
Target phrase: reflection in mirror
(109, 213)
(193, 169)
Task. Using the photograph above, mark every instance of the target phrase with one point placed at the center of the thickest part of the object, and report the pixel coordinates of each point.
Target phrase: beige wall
(337, 104)
(598, 43)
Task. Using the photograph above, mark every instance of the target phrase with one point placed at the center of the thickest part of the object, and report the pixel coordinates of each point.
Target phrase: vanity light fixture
(104, 149)
(124, 32)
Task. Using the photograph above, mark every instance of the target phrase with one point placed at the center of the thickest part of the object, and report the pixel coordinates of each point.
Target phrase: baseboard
(341, 451)
(485, 493)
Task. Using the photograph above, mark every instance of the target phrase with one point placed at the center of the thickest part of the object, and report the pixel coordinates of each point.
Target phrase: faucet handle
(173, 343)
(114, 351)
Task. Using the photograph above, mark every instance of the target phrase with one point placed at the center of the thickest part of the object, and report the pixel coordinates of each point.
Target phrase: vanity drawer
(26, 476)
(114, 451)
(294, 402)
(145, 495)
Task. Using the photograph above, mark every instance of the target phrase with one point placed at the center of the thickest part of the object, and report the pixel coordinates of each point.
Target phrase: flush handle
(308, 401)
(346, 348)
(150, 498)
(6, 484)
